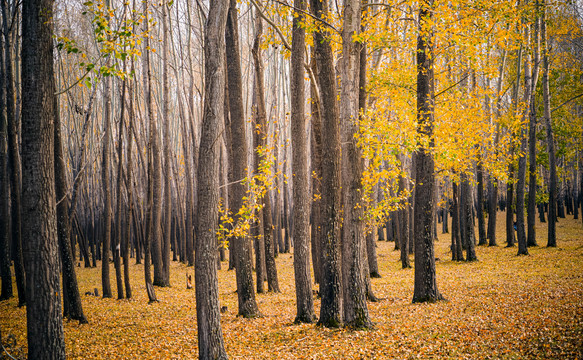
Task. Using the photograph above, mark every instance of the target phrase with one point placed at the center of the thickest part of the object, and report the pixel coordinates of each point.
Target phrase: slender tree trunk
(152, 238)
(13, 163)
(72, 299)
(118, 232)
(242, 245)
(331, 280)
(167, 175)
(425, 289)
(210, 335)
(531, 210)
(106, 181)
(552, 212)
(5, 258)
(129, 186)
(301, 191)
(520, 184)
(469, 236)
(261, 135)
(316, 161)
(481, 222)
(403, 226)
(43, 311)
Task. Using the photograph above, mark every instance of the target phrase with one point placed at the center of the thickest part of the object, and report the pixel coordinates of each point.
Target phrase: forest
(391, 179)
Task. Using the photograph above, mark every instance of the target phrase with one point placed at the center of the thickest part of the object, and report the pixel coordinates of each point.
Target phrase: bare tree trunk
(552, 212)
(301, 191)
(425, 289)
(261, 137)
(531, 210)
(72, 299)
(210, 335)
(5, 258)
(167, 159)
(331, 280)
(118, 232)
(520, 184)
(14, 164)
(316, 162)
(403, 226)
(242, 246)
(106, 181)
(354, 239)
(43, 311)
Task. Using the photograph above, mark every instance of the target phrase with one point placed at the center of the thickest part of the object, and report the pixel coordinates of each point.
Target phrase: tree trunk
(166, 131)
(552, 212)
(403, 226)
(469, 236)
(331, 280)
(301, 191)
(5, 258)
(425, 289)
(72, 299)
(210, 335)
(106, 181)
(43, 311)
(152, 238)
(241, 245)
(261, 135)
(456, 243)
(316, 162)
(520, 184)
(14, 164)
(482, 238)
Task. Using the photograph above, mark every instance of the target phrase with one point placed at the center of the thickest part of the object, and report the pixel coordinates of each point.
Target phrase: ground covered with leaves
(501, 307)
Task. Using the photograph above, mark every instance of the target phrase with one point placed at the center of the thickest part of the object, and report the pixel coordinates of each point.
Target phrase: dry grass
(501, 307)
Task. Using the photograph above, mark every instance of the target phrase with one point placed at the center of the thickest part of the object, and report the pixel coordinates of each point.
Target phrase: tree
(210, 336)
(5, 260)
(261, 137)
(331, 278)
(241, 245)
(353, 239)
(14, 163)
(552, 218)
(43, 311)
(301, 191)
(167, 159)
(425, 279)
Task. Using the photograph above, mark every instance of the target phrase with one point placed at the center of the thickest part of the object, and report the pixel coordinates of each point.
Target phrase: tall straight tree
(301, 191)
(167, 177)
(106, 183)
(152, 238)
(331, 275)
(5, 259)
(72, 300)
(353, 239)
(521, 181)
(261, 136)
(531, 210)
(210, 336)
(43, 311)
(241, 245)
(552, 231)
(13, 155)
(425, 278)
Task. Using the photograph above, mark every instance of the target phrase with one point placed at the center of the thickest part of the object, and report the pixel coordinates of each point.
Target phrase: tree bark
(261, 134)
(72, 299)
(521, 176)
(210, 335)
(331, 280)
(552, 212)
(14, 164)
(167, 159)
(5, 258)
(242, 246)
(301, 191)
(44, 319)
(425, 289)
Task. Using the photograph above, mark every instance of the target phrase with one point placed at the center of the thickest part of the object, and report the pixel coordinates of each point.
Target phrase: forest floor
(500, 307)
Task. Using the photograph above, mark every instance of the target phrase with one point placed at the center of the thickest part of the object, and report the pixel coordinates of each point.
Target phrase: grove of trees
(215, 131)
